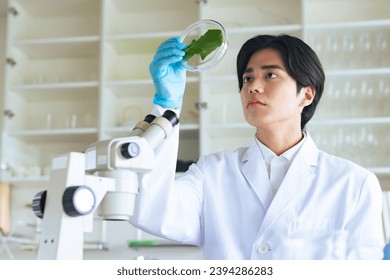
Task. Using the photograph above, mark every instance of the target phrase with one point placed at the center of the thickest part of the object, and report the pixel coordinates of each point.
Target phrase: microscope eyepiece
(171, 117)
(149, 118)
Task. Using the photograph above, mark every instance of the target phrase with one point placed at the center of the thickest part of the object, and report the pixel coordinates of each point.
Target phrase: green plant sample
(205, 45)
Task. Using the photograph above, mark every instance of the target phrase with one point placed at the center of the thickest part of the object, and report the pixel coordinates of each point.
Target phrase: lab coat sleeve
(366, 240)
(167, 207)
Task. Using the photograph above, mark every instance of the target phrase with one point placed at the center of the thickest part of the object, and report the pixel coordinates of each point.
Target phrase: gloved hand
(387, 252)
(169, 76)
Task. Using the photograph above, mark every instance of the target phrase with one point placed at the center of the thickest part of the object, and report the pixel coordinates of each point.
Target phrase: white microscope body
(104, 177)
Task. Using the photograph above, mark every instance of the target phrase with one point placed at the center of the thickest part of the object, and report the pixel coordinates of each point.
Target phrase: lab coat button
(262, 249)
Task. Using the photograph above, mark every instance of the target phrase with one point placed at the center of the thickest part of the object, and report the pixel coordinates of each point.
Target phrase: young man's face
(269, 94)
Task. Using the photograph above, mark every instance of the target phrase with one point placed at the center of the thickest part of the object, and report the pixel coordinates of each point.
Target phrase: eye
(247, 79)
(270, 75)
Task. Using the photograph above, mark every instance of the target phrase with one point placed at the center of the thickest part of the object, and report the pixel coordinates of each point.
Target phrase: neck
(279, 140)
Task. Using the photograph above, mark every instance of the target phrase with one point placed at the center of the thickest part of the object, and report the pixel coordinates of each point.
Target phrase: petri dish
(194, 32)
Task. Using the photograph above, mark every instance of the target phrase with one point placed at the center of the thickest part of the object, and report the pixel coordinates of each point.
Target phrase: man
(279, 198)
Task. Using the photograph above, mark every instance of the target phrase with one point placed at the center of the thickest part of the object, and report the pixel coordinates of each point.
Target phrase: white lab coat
(326, 207)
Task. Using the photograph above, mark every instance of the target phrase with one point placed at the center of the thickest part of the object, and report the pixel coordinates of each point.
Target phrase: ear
(309, 93)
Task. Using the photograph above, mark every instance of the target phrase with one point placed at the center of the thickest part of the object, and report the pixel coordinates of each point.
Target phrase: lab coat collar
(308, 151)
(254, 170)
(298, 177)
(268, 154)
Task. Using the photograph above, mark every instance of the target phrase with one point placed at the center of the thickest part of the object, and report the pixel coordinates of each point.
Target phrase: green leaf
(205, 45)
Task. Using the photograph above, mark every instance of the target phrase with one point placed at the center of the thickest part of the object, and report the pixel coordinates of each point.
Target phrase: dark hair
(301, 63)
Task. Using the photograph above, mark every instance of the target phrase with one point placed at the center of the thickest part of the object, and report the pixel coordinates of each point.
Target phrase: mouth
(255, 102)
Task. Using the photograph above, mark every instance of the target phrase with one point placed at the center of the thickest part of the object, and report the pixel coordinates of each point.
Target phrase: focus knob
(38, 204)
(78, 201)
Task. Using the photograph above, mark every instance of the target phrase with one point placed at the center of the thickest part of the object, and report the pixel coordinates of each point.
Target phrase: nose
(255, 87)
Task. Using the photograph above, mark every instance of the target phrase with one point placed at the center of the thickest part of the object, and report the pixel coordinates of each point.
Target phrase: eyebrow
(265, 67)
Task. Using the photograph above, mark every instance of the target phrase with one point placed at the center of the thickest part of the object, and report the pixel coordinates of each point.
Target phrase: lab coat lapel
(299, 178)
(254, 170)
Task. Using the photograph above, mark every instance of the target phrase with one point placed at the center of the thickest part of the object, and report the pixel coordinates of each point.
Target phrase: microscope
(103, 178)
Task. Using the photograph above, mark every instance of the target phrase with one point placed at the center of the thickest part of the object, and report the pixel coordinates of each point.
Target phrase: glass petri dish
(193, 32)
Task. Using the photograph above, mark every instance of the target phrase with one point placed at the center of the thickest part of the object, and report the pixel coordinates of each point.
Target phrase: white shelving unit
(353, 118)
(77, 72)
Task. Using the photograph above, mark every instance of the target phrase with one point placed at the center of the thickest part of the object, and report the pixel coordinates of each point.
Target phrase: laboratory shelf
(87, 135)
(358, 72)
(138, 82)
(57, 40)
(54, 86)
(59, 49)
(349, 121)
(291, 28)
(28, 180)
(150, 35)
(351, 24)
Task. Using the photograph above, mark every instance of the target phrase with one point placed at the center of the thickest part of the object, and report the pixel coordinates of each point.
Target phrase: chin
(257, 120)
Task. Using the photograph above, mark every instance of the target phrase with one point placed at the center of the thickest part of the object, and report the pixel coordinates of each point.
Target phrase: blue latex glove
(169, 76)
(387, 252)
